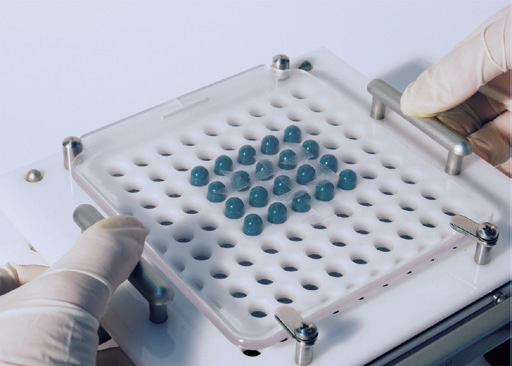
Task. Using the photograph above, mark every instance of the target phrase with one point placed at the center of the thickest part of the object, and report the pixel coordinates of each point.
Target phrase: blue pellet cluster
(278, 175)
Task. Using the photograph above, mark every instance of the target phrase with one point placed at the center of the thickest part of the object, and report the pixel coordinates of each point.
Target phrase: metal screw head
(306, 332)
(487, 231)
(33, 176)
(281, 62)
(306, 65)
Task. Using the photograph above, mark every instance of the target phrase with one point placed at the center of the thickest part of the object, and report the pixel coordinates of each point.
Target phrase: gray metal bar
(458, 146)
(144, 277)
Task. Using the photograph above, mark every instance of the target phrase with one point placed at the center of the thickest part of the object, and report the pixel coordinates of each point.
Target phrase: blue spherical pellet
(241, 180)
(216, 192)
(347, 180)
(305, 174)
(258, 197)
(324, 191)
(234, 208)
(277, 213)
(223, 164)
(199, 176)
(253, 225)
(292, 134)
(282, 185)
(312, 148)
(287, 159)
(264, 170)
(246, 155)
(301, 201)
(330, 162)
(269, 145)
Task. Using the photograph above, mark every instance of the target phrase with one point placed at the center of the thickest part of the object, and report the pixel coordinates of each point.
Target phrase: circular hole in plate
(408, 206)
(264, 280)
(357, 259)
(234, 121)
(309, 285)
(270, 248)
(226, 242)
(116, 172)
(251, 352)
(188, 140)
(201, 252)
(148, 204)
(343, 212)
(368, 174)
(349, 159)
(284, 299)
(388, 190)
(295, 236)
(338, 242)
(385, 217)
(334, 120)
(299, 93)
(183, 235)
(362, 229)
(289, 267)
(449, 211)
(278, 102)
(429, 195)
(164, 151)
(256, 111)
(314, 254)
(211, 131)
(274, 126)
(352, 134)
(157, 177)
(334, 272)
(390, 162)
(428, 222)
(317, 106)
(258, 313)
(383, 247)
(371, 148)
(132, 188)
(173, 192)
(205, 155)
(410, 178)
(164, 220)
(365, 201)
(181, 166)
(319, 226)
(252, 135)
(331, 144)
(141, 161)
(405, 234)
(295, 116)
(244, 262)
(228, 145)
(208, 225)
(191, 208)
(313, 130)
(219, 273)
(238, 293)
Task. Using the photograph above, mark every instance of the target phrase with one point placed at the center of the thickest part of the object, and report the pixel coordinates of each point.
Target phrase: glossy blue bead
(253, 225)
(347, 180)
(199, 176)
(305, 174)
(282, 185)
(277, 213)
(234, 208)
(301, 201)
(330, 162)
(241, 180)
(270, 145)
(324, 191)
(292, 134)
(216, 192)
(287, 159)
(223, 164)
(264, 170)
(258, 197)
(312, 149)
(246, 155)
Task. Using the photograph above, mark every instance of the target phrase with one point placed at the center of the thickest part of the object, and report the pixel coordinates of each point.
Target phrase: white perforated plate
(395, 219)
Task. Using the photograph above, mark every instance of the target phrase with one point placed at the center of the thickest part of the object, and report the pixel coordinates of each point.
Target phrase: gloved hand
(469, 90)
(53, 319)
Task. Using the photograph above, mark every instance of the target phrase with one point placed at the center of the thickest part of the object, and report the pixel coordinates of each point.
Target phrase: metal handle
(457, 145)
(486, 236)
(144, 277)
(303, 332)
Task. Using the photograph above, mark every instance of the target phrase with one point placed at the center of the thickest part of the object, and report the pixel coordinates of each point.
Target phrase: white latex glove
(54, 318)
(448, 90)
